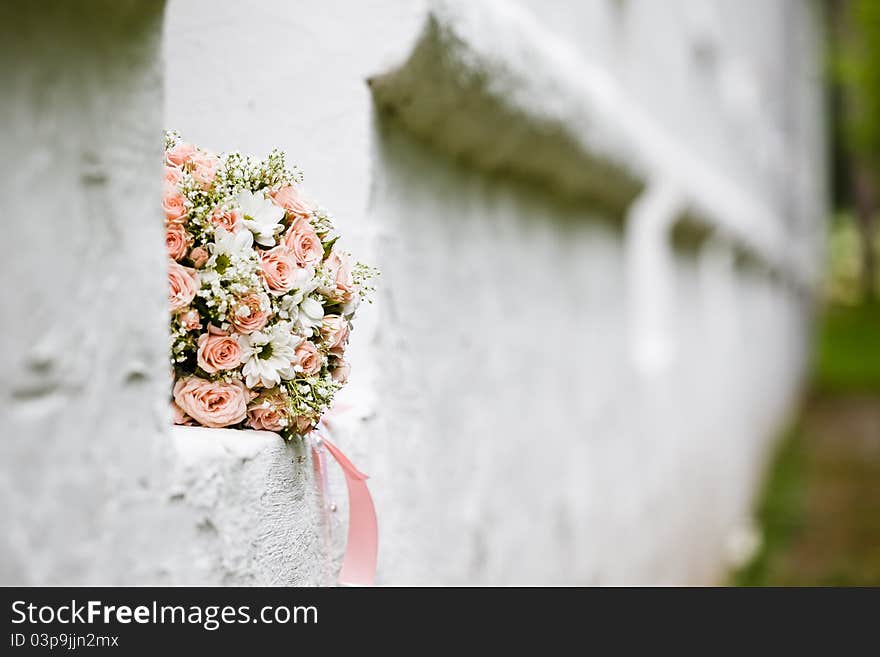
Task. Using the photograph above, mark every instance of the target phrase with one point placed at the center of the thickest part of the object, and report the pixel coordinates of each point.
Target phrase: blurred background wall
(566, 378)
(599, 225)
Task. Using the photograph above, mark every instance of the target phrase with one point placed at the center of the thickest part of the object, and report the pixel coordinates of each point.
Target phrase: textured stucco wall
(517, 440)
(95, 488)
(295, 79)
(83, 271)
(515, 430)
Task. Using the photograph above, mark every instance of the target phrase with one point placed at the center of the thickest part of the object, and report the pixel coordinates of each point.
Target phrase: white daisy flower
(303, 284)
(351, 307)
(305, 315)
(302, 310)
(267, 355)
(232, 244)
(261, 216)
(311, 314)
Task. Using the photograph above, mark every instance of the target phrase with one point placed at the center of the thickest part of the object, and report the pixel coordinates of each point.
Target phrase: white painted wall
(83, 295)
(515, 439)
(513, 433)
(512, 429)
(94, 488)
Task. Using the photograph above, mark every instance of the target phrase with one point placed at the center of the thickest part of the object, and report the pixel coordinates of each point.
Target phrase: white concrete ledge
(248, 511)
(486, 84)
(480, 84)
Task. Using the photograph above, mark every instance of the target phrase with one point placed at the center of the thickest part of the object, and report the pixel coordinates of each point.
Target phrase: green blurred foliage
(847, 353)
(856, 64)
(780, 512)
(848, 350)
(843, 279)
(818, 510)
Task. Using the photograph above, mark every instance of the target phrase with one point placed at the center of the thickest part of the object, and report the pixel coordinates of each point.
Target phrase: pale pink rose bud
(179, 417)
(338, 265)
(335, 331)
(205, 167)
(212, 403)
(190, 320)
(176, 241)
(254, 319)
(183, 283)
(307, 360)
(172, 175)
(218, 351)
(289, 199)
(305, 244)
(269, 412)
(341, 371)
(230, 220)
(199, 257)
(302, 424)
(180, 154)
(175, 207)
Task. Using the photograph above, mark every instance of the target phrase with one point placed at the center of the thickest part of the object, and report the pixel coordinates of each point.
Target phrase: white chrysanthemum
(311, 314)
(305, 316)
(304, 283)
(232, 244)
(297, 306)
(351, 307)
(261, 216)
(267, 355)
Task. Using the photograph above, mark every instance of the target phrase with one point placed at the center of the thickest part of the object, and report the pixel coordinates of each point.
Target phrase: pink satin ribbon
(361, 549)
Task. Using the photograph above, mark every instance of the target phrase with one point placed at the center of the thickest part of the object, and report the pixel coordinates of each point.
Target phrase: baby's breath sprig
(322, 222)
(172, 137)
(362, 275)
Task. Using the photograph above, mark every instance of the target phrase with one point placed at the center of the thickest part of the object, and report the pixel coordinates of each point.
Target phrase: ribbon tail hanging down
(361, 550)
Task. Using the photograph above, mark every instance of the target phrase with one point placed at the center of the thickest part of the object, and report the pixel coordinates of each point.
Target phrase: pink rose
(304, 242)
(279, 269)
(341, 371)
(335, 331)
(190, 320)
(183, 283)
(172, 175)
(302, 424)
(217, 351)
(289, 199)
(199, 257)
(269, 412)
(179, 417)
(180, 154)
(176, 241)
(307, 359)
(254, 320)
(212, 403)
(230, 220)
(204, 168)
(175, 206)
(338, 265)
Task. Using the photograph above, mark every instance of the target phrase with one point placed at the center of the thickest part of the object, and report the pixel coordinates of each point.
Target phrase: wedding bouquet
(261, 295)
